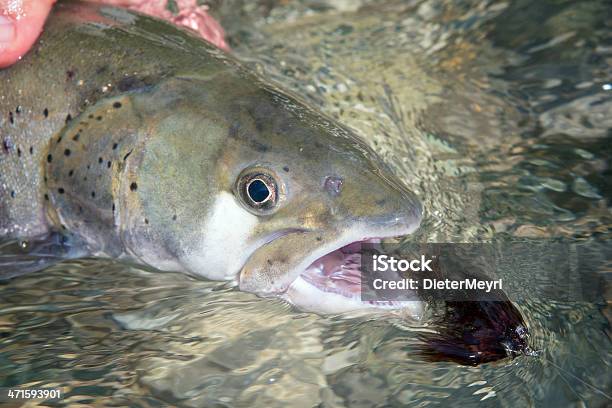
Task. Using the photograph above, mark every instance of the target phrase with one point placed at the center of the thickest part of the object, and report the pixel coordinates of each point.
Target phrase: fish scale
(24, 138)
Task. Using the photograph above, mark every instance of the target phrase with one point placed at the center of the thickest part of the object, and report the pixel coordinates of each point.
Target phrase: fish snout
(375, 199)
(399, 210)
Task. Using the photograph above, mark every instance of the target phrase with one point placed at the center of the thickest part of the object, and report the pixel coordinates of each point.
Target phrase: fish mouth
(332, 282)
(339, 271)
(320, 270)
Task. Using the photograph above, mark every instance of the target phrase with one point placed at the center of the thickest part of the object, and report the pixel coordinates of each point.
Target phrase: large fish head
(247, 183)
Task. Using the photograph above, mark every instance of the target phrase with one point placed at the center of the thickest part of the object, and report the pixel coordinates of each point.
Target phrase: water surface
(497, 113)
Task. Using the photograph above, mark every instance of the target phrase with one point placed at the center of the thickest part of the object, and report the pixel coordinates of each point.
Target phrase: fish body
(138, 139)
(125, 137)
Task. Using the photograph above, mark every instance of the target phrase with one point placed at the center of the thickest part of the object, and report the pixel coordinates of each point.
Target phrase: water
(497, 114)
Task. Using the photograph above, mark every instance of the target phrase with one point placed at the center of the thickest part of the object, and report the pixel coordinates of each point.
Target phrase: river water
(497, 113)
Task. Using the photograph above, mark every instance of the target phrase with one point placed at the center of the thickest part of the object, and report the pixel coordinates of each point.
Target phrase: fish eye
(258, 190)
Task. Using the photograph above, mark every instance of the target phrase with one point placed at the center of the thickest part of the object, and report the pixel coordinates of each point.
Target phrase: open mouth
(339, 271)
(337, 278)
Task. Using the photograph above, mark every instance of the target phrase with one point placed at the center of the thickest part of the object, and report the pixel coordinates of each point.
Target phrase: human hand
(21, 22)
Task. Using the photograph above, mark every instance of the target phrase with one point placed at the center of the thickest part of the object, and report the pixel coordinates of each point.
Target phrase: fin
(20, 257)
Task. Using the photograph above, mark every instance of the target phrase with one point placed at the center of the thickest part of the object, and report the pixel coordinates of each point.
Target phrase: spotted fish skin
(69, 70)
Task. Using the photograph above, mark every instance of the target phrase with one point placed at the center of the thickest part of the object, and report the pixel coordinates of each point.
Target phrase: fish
(126, 137)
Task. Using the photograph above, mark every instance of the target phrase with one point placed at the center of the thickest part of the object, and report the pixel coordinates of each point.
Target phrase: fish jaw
(321, 272)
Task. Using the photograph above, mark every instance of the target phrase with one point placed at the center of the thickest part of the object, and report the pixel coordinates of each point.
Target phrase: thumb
(21, 22)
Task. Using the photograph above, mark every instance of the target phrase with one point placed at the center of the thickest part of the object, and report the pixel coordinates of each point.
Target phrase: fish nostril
(333, 185)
